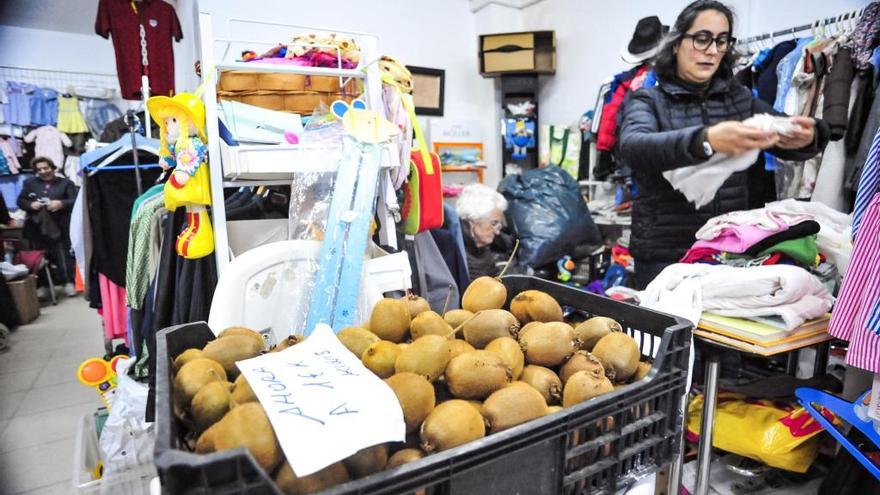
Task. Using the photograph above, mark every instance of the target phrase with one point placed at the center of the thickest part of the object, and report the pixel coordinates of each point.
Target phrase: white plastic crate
(86, 457)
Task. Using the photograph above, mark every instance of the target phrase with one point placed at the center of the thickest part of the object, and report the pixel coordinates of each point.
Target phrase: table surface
(747, 348)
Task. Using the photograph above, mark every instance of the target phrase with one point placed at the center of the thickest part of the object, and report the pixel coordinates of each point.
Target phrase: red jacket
(608, 123)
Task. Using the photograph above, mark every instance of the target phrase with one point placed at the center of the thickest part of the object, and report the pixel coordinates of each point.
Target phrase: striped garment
(856, 316)
(868, 183)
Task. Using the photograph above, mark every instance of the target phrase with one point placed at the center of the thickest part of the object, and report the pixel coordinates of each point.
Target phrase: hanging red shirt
(160, 26)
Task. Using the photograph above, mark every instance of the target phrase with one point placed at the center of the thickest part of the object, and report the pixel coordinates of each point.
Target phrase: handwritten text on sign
(323, 403)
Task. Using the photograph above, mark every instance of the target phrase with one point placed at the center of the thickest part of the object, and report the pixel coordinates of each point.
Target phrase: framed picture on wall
(428, 86)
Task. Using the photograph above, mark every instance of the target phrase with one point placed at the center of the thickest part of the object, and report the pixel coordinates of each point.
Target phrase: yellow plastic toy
(364, 125)
(183, 147)
(100, 374)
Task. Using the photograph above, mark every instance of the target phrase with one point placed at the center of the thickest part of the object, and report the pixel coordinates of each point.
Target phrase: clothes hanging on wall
(17, 110)
(44, 106)
(70, 119)
(150, 24)
(8, 154)
(50, 143)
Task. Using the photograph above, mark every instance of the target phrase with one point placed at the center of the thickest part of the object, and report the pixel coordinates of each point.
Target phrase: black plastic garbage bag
(548, 214)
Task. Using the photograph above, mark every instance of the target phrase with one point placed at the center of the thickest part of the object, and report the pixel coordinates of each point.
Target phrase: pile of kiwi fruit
(458, 377)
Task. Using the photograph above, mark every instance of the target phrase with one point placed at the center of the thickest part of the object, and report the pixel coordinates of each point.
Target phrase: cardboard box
(24, 296)
(518, 53)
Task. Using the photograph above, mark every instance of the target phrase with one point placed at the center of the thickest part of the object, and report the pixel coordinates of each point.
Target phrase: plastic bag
(127, 440)
(310, 197)
(777, 434)
(548, 215)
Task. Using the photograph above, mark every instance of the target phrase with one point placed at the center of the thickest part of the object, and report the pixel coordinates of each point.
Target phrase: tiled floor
(41, 400)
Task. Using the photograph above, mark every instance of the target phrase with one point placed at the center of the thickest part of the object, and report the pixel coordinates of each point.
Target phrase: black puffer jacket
(657, 133)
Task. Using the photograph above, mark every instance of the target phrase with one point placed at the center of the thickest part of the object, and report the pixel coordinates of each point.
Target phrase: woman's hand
(36, 205)
(55, 205)
(735, 138)
(803, 134)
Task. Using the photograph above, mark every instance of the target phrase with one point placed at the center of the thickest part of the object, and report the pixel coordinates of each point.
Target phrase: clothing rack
(823, 22)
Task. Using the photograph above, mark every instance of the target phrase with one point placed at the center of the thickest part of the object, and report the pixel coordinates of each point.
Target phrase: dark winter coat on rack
(659, 132)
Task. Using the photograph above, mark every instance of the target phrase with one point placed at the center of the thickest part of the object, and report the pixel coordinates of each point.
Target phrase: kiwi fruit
(289, 341)
(528, 326)
(545, 381)
(484, 293)
(475, 375)
(367, 461)
(248, 426)
(455, 317)
(426, 356)
(205, 443)
(247, 332)
(380, 358)
(402, 346)
(416, 396)
(458, 346)
(186, 356)
(511, 353)
(404, 456)
(478, 405)
(330, 476)
(232, 348)
(534, 305)
(242, 392)
(642, 370)
(583, 386)
(549, 344)
(194, 375)
(210, 404)
(416, 305)
(580, 361)
(488, 325)
(619, 354)
(356, 339)
(590, 331)
(390, 320)
(451, 424)
(429, 323)
(554, 409)
(513, 405)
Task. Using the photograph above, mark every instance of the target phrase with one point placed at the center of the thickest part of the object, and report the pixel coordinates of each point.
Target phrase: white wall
(38, 48)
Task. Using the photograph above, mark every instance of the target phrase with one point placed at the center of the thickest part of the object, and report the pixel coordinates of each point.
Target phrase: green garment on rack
(149, 193)
(803, 250)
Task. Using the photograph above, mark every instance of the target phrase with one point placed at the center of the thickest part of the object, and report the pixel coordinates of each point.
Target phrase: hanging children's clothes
(50, 143)
(72, 170)
(70, 119)
(9, 157)
(17, 110)
(44, 106)
(99, 113)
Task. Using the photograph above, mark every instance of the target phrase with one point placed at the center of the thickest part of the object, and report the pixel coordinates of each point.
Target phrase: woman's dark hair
(665, 63)
(42, 159)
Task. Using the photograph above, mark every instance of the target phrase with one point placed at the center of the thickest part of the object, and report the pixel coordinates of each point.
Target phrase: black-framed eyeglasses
(702, 40)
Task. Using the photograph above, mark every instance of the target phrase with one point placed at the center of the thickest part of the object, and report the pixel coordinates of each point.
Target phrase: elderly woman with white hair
(481, 210)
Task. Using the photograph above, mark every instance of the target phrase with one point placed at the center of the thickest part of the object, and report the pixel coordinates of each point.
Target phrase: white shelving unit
(277, 164)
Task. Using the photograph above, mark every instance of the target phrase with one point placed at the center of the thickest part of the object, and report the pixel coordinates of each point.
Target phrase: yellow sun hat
(187, 103)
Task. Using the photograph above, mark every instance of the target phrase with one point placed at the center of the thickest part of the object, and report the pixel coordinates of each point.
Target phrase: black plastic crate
(576, 451)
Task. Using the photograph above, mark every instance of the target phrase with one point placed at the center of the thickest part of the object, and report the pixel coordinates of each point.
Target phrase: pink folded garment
(738, 238)
(763, 218)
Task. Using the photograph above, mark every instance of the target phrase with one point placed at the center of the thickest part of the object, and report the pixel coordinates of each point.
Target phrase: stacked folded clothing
(808, 235)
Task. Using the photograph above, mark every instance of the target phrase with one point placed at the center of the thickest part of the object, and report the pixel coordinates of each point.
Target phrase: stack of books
(764, 336)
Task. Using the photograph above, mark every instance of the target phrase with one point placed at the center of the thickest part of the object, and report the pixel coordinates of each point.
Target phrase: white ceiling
(71, 16)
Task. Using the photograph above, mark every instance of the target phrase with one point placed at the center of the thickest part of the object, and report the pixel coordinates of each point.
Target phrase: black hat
(645, 41)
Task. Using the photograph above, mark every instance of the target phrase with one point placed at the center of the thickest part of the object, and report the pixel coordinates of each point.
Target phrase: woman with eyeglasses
(481, 210)
(695, 111)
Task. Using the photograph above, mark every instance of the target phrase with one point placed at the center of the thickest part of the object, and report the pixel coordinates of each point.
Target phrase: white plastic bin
(86, 457)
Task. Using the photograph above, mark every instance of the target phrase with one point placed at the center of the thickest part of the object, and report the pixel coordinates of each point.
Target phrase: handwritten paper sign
(322, 402)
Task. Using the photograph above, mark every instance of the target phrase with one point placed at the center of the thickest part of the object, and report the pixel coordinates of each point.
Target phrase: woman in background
(48, 200)
(481, 210)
